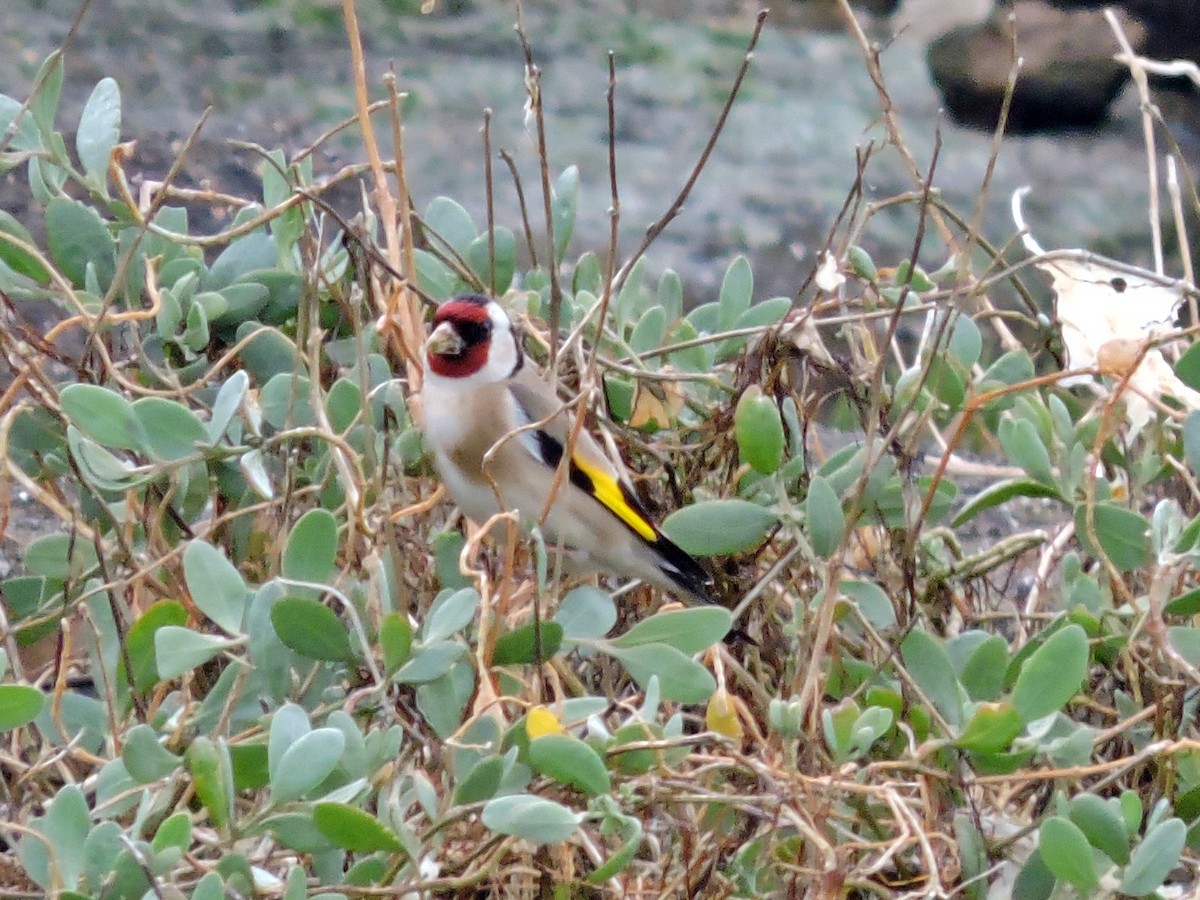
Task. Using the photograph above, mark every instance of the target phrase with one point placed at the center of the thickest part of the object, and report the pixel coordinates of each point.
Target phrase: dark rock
(1172, 26)
(1068, 78)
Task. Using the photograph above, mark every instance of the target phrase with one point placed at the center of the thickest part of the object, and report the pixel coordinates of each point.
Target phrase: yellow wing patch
(608, 491)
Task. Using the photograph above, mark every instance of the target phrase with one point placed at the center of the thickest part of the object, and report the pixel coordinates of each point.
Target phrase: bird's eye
(475, 332)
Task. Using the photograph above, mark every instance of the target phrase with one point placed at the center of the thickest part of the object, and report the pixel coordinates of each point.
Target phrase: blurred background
(277, 74)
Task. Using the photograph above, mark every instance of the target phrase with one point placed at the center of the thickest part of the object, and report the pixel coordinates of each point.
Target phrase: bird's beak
(444, 341)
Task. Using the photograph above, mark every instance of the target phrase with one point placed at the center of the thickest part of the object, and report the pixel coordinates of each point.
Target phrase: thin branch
(676, 207)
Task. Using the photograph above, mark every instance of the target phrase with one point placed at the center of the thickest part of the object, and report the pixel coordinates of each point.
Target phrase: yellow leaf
(721, 715)
(540, 722)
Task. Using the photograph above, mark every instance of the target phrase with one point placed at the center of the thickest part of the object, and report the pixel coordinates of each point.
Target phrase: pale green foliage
(297, 685)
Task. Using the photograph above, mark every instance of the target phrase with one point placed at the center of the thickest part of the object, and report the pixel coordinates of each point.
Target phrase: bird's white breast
(450, 422)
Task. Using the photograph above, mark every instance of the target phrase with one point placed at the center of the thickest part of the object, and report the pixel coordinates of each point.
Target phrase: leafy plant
(278, 664)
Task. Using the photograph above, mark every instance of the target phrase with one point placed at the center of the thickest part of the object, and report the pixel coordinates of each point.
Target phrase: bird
(480, 397)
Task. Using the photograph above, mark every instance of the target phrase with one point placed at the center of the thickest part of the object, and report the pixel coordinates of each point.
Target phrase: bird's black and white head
(473, 343)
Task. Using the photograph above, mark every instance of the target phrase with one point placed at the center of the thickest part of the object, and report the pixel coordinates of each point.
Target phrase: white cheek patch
(504, 358)
(504, 354)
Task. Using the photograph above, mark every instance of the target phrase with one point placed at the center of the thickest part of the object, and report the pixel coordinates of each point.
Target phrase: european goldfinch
(479, 396)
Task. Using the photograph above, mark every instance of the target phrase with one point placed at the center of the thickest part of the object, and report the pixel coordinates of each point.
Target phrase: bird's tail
(681, 569)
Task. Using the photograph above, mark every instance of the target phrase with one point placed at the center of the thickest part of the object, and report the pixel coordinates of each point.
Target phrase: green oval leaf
(680, 677)
(228, 400)
(758, 428)
(719, 527)
(306, 763)
(103, 415)
(1024, 447)
(311, 551)
(1131, 810)
(868, 728)
(1154, 858)
(20, 704)
(929, 664)
(764, 312)
(520, 646)
(479, 259)
(431, 663)
(216, 587)
(242, 302)
(175, 831)
(99, 130)
(395, 639)
(947, 381)
(648, 333)
(1124, 535)
(141, 640)
(343, 404)
(824, 518)
(635, 761)
(531, 818)
(966, 342)
(737, 288)
(250, 766)
(1186, 640)
(19, 260)
(77, 237)
(170, 429)
(26, 135)
(204, 762)
(1011, 368)
(354, 829)
(670, 294)
(872, 601)
(296, 831)
(1052, 675)
(564, 203)
(270, 354)
(196, 333)
(1187, 369)
(1066, 852)
(288, 725)
(253, 252)
(1191, 434)
(450, 223)
(1002, 492)
(983, 672)
(452, 611)
(861, 264)
(178, 650)
(482, 781)
(586, 613)
(569, 761)
(991, 729)
(146, 760)
(687, 630)
(312, 629)
(105, 470)
(60, 556)
(64, 827)
(1103, 826)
